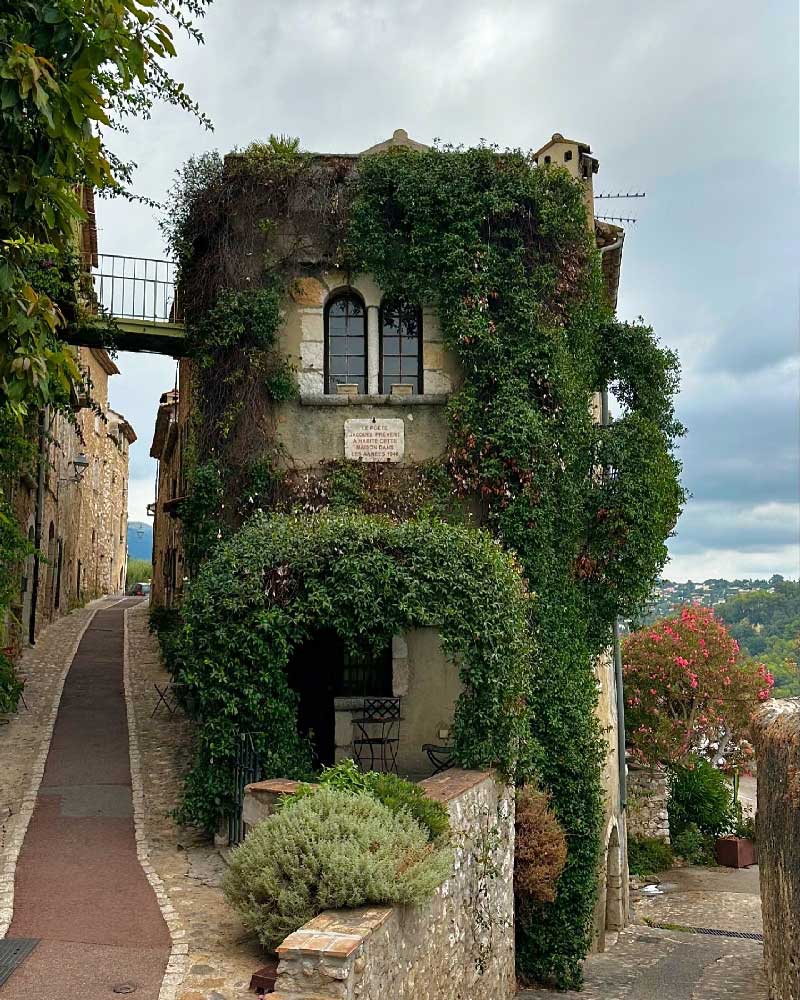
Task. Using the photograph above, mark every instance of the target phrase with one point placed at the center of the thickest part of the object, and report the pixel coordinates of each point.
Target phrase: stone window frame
(438, 385)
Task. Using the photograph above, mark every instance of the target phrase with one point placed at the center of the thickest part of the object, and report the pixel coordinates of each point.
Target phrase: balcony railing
(134, 288)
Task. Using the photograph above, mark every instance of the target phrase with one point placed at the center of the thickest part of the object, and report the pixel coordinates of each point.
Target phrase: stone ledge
(454, 782)
(334, 934)
(273, 786)
(373, 399)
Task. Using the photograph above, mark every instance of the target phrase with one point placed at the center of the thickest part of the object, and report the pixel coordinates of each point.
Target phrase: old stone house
(76, 501)
(374, 380)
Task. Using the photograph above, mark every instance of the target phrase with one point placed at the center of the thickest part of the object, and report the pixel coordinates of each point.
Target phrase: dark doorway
(312, 675)
(321, 671)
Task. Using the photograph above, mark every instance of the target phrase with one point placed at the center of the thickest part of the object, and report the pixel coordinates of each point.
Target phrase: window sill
(373, 399)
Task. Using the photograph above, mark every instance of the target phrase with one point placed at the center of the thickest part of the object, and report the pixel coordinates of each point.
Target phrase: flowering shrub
(687, 689)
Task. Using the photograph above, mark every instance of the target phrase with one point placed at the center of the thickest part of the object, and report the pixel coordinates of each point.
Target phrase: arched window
(401, 347)
(345, 343)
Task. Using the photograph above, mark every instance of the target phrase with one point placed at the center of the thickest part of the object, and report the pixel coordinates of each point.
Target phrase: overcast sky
(693, 102)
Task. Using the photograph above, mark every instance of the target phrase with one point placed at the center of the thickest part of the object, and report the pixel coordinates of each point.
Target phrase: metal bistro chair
(441, 757)
(377, 734)
(167, 696)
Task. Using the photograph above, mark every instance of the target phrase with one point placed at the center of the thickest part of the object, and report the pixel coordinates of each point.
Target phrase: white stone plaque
(374, 440)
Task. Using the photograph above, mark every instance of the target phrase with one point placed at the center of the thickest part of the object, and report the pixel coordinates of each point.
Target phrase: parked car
(140, 590)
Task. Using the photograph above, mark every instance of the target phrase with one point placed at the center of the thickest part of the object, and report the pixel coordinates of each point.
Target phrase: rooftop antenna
(614, 218)
(629, 194)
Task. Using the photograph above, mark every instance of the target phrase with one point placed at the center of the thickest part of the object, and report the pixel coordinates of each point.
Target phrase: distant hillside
(140, 540)
(762, 615)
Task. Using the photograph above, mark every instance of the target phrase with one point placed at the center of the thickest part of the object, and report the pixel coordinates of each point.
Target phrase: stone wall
(612, 909)
(647, 803)
(459, 946)
(83, 524)
(776, 733)
(429, 685)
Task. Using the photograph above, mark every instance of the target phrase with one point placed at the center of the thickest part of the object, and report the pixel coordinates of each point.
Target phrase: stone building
(169, 438)
(76, 503)
(374, 381)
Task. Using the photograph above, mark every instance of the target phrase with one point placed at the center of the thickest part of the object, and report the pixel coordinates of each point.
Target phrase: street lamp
(79, 464)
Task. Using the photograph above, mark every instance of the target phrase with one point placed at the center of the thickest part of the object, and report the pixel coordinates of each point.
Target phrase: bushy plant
(10, 685)
(700, 794)
(648, 855)
(280, 579)
(329, 850)
(745, 825)
(404, 796)
(688, 691)
(540, 851)
(694, 846)
(391, 790)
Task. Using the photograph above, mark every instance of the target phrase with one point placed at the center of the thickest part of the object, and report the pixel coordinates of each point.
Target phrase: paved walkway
(79, 885)
(650, 963)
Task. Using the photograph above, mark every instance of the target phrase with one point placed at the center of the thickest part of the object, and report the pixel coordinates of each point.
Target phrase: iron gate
(246, 770)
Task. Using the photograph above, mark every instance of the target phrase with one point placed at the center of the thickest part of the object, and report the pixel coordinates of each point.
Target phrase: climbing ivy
(282, 578)
(504, 253)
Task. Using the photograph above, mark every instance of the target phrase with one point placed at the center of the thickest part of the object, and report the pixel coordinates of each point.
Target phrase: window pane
(401, 331)
(346, 343)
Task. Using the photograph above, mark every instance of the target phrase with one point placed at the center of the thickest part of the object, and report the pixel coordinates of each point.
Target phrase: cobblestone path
(650, 963)
(220, 955)
(79, 886)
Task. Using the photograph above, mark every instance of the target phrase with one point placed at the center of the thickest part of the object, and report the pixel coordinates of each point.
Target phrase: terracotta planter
(735, 852)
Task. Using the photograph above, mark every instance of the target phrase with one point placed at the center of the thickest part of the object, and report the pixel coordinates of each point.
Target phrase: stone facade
(776, 732)
(83, 524)
(313, 430)
(458, 946)
(647, 803)
(169, 441)
(612, 910)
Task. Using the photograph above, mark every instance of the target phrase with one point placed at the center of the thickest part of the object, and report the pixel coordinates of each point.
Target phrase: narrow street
(79, 887)
(668, 963)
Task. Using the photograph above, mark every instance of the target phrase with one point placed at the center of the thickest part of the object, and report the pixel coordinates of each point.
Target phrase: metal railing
(247, 769)
(140, 288)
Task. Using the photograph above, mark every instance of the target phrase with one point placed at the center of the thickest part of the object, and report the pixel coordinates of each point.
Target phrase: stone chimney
(578, 159)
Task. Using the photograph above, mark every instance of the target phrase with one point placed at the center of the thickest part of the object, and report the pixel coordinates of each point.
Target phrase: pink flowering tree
(688, 689)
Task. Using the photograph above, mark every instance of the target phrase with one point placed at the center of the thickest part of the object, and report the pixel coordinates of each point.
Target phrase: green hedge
(281, 579)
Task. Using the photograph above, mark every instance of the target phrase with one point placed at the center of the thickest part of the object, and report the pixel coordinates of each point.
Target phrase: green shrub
(10, 685)
(399, 795)
(282, 579)
(394, 792)
(329, 850)
(694, 846)
(648, 855)
(745, 825)
(700, 794)
(138, 571)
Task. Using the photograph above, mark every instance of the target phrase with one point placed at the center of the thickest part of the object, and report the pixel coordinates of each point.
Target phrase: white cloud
(733, 564)
(694, 103)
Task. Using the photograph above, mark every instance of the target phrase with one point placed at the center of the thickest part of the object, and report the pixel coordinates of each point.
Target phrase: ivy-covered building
(427, 335)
